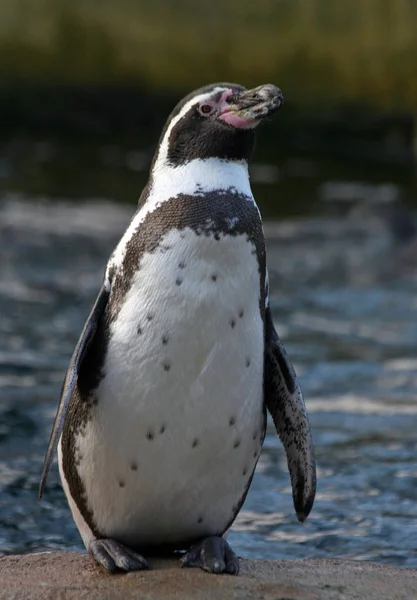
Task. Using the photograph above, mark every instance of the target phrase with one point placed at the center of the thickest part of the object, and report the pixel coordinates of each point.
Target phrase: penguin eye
(205, 109)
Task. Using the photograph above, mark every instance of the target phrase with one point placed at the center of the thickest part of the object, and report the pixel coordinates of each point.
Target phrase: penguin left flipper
(284, 400)
(87, 334)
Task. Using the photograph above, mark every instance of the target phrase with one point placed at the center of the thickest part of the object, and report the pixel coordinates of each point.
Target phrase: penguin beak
(247, 109)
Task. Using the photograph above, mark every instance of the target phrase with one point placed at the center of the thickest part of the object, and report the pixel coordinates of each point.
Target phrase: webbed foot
(212, 554)
(112, 555)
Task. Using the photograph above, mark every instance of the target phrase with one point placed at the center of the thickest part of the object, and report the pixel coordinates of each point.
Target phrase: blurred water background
(84, 90)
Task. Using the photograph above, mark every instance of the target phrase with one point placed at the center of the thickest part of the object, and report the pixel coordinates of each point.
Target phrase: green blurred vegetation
(318, 51)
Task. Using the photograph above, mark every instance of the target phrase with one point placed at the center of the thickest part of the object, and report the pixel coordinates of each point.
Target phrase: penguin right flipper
(70, 381)
(284, 400)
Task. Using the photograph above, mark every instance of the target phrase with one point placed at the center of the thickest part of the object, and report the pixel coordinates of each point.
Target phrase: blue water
(344, 298)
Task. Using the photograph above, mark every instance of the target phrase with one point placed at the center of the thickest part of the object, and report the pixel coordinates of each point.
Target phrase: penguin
(163, 408)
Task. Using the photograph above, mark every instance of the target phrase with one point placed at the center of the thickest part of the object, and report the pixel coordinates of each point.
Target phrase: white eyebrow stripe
(161, 159)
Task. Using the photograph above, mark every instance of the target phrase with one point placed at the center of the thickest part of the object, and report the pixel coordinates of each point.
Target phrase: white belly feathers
(176, 431)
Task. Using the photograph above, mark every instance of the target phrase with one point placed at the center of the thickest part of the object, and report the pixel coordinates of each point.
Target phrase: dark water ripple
(344, 301)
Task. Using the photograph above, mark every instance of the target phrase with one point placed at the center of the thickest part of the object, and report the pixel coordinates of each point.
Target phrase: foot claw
(213, 555)
(112, 555)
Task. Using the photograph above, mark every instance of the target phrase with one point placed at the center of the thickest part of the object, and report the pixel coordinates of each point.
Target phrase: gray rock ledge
(74, 576)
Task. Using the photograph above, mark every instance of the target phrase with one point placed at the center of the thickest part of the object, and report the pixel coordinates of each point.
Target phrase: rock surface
(74, 576)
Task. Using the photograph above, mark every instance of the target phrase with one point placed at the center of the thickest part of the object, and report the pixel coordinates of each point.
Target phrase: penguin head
(216, 121)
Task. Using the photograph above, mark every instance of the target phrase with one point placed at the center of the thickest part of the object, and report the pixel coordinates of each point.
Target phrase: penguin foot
(213, 555)
(112, 555)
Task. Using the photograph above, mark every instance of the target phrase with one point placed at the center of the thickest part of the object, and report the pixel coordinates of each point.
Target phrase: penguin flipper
(285, 402)
(87, 334)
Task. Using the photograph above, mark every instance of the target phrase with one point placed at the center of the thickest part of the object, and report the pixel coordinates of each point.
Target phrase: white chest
(176, 432)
